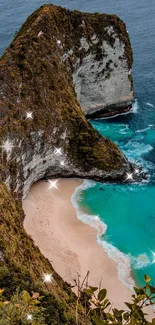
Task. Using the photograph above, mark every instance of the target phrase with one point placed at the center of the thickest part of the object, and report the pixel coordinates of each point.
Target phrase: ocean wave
(149, 104)
(124, 130)
(91, 220)
(134, 149)
(122, 260)
(143, 130)
(135, 106)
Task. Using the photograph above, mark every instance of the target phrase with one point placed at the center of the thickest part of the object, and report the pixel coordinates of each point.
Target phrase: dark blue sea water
(128, 211)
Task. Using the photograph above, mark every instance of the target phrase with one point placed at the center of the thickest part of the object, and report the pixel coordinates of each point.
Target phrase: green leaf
(147, 278)
(108, 304)
(25, 296)
(141, 297)
(106, 301)
(88, 292)
(102, 294)
(128, 305)
(93, 289)
(141, 314)
(136, 290)
(110, 316)
(98, 321)
(152, 289)
(126, 316)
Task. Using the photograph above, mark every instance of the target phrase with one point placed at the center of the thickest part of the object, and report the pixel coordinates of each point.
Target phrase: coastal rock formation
(102, 77)
(43, 131)
(36, 76)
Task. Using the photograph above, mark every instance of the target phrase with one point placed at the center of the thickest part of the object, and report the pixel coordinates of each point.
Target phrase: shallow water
(128, 211)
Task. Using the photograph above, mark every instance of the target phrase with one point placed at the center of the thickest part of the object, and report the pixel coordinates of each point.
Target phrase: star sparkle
(62, 163)
(58, 151)
(29, 317)
(136, 171)
(29, 115)
(53, 184)
(7, 146)
(47, 278)
(129, 176)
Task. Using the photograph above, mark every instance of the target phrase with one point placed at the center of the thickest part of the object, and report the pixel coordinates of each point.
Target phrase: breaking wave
(135, 106)
(145, 129)
(89, 219)
(122, 260)
(149, 104)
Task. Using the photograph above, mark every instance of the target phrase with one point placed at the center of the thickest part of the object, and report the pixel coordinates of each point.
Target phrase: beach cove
(68, 243)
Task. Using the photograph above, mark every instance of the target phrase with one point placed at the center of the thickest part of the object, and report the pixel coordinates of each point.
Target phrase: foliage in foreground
(21, 309)
(24, 309)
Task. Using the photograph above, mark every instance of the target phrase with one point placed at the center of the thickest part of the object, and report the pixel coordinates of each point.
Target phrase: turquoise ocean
(125, 212)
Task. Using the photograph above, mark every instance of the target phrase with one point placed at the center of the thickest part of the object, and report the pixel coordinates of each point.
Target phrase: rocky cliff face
(102, 77)
(37, 74)
(100, 57)
(43, 131)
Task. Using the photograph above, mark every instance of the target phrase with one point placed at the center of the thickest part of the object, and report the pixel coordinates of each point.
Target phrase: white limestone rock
(104, 82)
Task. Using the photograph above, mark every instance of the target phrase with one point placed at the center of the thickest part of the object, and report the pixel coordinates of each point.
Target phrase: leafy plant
(99, 309)
(92, 303)
(22, 309)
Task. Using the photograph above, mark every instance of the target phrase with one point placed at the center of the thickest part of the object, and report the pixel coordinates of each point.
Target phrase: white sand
(68, 243)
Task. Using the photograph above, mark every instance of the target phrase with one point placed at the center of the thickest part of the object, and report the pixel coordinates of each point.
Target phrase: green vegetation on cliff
(33, 77)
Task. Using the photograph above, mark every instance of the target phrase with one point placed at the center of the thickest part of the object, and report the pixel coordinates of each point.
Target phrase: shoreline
(69, 244)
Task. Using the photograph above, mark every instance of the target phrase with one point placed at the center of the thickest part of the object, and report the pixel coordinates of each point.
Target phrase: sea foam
(149, 104)
(141, 261)
(135, 106)
(92, 220)
(134, 109)
(122, 260)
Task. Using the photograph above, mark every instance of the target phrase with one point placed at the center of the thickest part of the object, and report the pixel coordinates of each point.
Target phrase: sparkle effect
(136, 171)
(129, 176)
(29, 115)
(153, 253)
(62, 163)
(29, 317)
(47, 278)
(53, 184)
(58, 151)
(59, 42)
(7, 146)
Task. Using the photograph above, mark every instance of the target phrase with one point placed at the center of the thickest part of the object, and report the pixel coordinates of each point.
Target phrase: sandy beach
(68, 243)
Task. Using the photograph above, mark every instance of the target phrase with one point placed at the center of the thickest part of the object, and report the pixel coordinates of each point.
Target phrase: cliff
(43, 131)
(35, 77)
